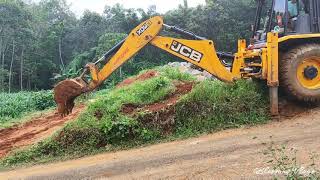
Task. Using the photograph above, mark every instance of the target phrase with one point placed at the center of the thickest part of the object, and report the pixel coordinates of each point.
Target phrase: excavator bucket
(66, 92)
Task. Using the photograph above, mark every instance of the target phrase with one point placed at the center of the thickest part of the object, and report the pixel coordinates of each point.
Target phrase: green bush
(175, 74)
(43, 100)
(15, 105)
(213, 105)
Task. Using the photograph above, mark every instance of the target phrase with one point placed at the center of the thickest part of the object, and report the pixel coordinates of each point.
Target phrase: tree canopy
(42, 41)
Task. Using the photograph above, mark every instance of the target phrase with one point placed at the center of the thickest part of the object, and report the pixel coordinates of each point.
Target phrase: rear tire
(300, 73)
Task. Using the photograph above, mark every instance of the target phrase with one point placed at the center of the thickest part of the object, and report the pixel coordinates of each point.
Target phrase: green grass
(211, 106)
(14, 106)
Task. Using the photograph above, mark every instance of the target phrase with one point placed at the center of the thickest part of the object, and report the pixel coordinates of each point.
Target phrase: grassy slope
(211, 106)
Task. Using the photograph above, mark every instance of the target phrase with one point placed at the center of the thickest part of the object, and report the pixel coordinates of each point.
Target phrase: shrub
(175, 74)
(43, 100)
(15, 105)
(214, 105)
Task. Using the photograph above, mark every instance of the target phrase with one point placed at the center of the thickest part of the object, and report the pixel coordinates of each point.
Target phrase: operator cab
(286, 17)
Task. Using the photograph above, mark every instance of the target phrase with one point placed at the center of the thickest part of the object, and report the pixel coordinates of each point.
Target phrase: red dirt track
(33, 131)
(182, 88)
(147, 75)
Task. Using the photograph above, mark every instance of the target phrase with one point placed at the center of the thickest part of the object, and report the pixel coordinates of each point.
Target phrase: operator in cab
(295, 8)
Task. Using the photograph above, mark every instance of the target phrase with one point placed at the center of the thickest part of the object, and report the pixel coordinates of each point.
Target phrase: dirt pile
(161, 114)
(65, 93)
(33, 131)
(147, 75)
(289, 109)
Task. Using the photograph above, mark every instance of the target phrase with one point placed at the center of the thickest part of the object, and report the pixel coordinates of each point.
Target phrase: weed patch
(213, 105)
(15, 105)
(285, 164)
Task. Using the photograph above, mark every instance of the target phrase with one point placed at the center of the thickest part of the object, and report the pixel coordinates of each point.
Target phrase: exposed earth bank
(224, 155)
(33, 131)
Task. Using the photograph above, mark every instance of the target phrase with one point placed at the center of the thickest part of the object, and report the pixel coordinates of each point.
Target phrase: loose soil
(147, 75)
(33, 131)
(290, 109)
(65, 93)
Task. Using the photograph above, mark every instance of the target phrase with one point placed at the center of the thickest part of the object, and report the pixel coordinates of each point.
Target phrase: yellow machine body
(189, 50)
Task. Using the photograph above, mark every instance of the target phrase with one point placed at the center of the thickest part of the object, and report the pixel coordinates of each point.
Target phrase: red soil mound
(182, 88)
(159, 115)
(147, 75)
(33, 131)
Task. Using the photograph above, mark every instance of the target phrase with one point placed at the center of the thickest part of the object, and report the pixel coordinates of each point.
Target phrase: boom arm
(198, 52)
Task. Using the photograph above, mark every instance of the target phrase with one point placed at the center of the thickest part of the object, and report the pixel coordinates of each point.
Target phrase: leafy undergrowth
(14, 106)
(161, 109)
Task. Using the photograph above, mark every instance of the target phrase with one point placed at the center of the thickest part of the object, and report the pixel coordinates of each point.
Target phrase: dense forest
(42, 43)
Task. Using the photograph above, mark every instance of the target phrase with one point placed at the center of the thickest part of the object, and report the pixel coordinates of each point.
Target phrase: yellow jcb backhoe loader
(285, 48)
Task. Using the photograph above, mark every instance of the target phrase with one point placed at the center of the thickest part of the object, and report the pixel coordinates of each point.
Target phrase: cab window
(293, 8)
(279, 12)
(296, 9)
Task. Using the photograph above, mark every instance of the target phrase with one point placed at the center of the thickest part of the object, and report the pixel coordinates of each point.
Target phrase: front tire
(300, 73)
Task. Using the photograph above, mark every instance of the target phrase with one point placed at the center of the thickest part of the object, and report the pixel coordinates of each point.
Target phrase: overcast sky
(78, 6)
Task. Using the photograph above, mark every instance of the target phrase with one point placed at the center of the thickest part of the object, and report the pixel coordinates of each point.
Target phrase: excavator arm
(200, 52)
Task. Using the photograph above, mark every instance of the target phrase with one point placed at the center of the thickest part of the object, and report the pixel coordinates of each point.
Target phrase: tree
(41, 40)
(86, 33)
(15, 27)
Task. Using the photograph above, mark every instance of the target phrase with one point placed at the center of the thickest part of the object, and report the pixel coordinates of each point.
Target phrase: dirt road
(230, 154)
(33, 131)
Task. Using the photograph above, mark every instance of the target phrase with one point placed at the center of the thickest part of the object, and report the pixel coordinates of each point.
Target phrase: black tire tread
(285, 73)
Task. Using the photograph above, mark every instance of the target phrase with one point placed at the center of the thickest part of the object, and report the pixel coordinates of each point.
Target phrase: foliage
(103, 126)
(45, 41)
(15, 105)
(106, 41)
(174, 74)
(43, 100)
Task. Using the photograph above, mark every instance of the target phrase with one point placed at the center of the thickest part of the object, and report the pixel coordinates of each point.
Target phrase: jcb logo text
(186, 51)
(143, 28)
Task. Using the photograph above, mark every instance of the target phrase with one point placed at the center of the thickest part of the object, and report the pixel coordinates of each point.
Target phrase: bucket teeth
(65, 93)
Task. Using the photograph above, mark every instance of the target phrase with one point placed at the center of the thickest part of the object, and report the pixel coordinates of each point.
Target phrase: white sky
(78, 6)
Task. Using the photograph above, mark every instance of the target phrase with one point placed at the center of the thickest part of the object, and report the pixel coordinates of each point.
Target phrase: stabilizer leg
(274, 101)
